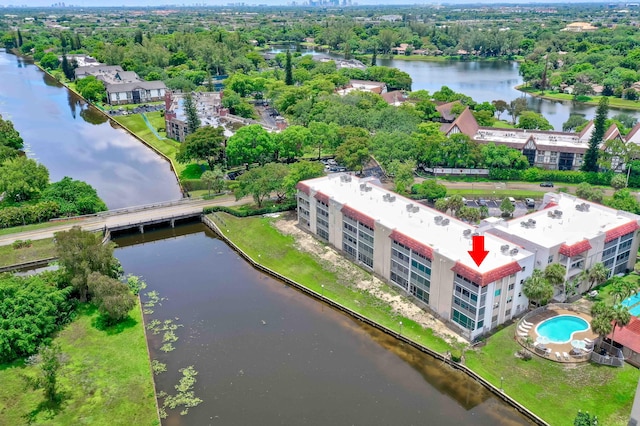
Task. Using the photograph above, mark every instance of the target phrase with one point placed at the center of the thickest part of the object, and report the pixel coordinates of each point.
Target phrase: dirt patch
(351, 274)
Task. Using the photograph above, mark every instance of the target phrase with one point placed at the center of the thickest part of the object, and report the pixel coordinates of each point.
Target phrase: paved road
(121, 217)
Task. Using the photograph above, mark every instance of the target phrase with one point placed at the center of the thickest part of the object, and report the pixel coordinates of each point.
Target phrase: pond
(266, 353)
(73, 139)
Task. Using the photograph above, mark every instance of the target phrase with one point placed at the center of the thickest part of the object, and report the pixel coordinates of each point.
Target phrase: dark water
(72, 139)
(267, 354)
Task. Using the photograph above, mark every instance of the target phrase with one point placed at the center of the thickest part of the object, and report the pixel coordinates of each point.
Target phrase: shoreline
(593, 100)
(497, 392)
(119, 125)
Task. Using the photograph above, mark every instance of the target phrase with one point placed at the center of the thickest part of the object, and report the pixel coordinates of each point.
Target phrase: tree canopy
(205, 144)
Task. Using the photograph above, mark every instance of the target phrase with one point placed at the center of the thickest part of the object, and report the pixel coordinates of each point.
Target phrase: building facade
(418, 249)
(426, 253)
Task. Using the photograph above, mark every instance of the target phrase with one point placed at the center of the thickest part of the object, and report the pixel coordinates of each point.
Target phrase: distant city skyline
(147, 3)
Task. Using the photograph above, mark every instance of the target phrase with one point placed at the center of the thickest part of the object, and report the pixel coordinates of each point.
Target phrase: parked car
(547, 184)
(512, 200)
(483, 203)
(529, 202)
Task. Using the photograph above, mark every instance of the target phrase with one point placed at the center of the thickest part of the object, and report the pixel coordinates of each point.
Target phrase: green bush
(252, 211)
(18, 244)
(31, 310)
(24, 215)
(535, 174)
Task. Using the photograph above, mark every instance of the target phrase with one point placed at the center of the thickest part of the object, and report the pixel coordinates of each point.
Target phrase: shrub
(18, 244)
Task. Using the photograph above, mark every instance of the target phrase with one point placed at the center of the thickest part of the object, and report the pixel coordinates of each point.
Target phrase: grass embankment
(106, 379)
(256, 237)
(592, 100)
(34, 227)
(501, 124)
(556, 391)
(135, 123)
(553, 391)
(39, 249)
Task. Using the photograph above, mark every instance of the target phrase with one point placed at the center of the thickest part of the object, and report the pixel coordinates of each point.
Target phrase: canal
(266, 353)
(73, 139)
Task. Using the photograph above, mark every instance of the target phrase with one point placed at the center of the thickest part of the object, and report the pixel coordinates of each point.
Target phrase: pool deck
(559, 348)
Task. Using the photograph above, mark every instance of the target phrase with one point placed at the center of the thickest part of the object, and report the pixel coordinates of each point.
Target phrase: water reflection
(269, 354)
(123, 170)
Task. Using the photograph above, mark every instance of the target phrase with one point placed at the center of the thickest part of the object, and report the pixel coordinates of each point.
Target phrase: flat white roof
(572, 226)
(448, 240)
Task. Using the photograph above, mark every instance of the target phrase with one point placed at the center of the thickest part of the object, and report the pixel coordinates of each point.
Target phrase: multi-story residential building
(418, 249)
(546, 149)
(425, 252)
(575, 233)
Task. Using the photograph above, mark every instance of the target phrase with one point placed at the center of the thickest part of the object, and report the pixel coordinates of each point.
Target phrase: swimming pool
(560, 329)
(635, 311)
(630, 301)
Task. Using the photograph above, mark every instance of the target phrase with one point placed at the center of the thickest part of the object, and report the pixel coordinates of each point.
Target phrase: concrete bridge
(127, 218)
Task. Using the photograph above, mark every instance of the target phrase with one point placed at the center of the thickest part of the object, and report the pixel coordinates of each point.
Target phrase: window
(550, 260)
(511, 286)
(509, 299)
(507, 312)
(497, 293)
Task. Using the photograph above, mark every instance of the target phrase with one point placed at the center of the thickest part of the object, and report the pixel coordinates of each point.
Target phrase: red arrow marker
(478, 254)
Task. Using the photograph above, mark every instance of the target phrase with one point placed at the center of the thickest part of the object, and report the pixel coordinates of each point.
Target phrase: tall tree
(205, 144)
(621, 317)
(554, 274)
(22, 179)
(260, 182)
(250, 144)
(191, 111)
(374, 57)
(596, 275)
(537, 288)
(214, 179)
(67, 69)
(48, 360)
(288, 70)
(137, 37)
(19, 38)
(590, 163)
(112, 297)
(80, 253)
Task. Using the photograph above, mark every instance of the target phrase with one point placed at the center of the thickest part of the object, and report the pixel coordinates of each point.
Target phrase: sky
(87, 3)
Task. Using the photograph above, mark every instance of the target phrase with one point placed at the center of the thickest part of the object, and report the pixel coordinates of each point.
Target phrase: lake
(73, 139)
(268, 354)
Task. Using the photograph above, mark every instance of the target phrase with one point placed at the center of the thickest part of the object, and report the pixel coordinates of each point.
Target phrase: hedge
(25, 215)
(534, 174)
(276, 208)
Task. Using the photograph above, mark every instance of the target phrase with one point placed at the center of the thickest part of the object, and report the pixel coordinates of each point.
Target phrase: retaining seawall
(493, 389)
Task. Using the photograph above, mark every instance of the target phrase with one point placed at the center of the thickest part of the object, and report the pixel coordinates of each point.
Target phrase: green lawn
(168, 147)
(106, 379)
(550, 390)
(40, 249)
(593, 100)
(256, 237)
(33, 227)
(553, 391)
(501, 124)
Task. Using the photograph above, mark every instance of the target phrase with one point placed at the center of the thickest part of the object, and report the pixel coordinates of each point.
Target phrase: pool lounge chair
(588, 341)
(558, 357)
(522, 334)
(525, 322)
(566, 356)
(547, 352)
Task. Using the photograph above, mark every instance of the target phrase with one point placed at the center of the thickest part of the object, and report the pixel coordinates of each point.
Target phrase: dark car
(547, 184)
(530, 202)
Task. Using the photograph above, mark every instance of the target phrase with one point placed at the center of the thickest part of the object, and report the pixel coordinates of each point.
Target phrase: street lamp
(400, 327)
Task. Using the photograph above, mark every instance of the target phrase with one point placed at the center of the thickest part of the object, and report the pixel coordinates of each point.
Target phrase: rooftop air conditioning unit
(550, 214)
(444, 222)
(415, 209)
(368, 188)
(524, 224)
(363, 187)
(392, 198)
(504, 248)
(466, 233)
(385, 197)
(513, 251)
(580, 207)
(475, 234)
(558, 213)
(586, 206)
(437, 219)
(409, 207)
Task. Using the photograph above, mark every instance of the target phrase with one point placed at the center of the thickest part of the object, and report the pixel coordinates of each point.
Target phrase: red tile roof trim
(575, 249)
(621, 230)
(414, 245)
(303, 187)
(484, 279)
(322, 197)
(629, 336)
(356, 215)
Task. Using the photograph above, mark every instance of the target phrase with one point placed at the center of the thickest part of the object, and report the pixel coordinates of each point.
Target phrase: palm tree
(618, 290)
(602, 326)
(537, 288)
(554, 274)
(621, 317)
(596, 275)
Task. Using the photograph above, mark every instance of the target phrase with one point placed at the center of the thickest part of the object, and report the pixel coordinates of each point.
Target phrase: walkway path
(127, 216)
